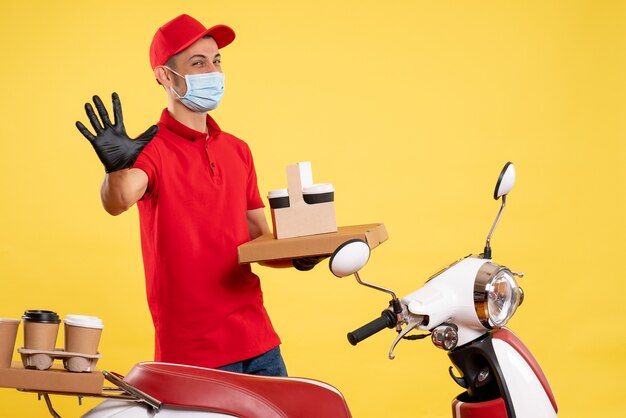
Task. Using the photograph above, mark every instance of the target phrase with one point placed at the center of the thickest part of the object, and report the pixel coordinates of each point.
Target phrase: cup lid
(272, 194)
(10, 320)
(85, 321)
(318, 188)
(36, 315)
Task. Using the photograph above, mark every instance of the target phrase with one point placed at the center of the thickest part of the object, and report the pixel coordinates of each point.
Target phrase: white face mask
(204, 91)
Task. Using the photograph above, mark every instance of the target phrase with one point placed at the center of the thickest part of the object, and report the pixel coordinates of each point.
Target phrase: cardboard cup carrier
(8, 335)
(82, 337)
(303, 208)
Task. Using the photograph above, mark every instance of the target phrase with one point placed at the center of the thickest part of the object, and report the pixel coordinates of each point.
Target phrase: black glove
(307, 263)
(113, 146)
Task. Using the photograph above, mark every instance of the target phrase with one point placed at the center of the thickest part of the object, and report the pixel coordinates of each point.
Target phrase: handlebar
(387, 319)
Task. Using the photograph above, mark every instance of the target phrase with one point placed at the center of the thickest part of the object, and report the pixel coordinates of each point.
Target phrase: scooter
(463, 308)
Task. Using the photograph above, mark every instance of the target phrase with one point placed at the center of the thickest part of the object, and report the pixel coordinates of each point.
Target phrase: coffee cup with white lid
(82, 333)
(278, 198)
(318, 193)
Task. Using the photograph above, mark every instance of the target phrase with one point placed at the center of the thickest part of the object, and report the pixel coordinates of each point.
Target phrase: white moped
(463, 308)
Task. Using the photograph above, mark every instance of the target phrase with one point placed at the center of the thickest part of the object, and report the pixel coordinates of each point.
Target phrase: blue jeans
(267, 364)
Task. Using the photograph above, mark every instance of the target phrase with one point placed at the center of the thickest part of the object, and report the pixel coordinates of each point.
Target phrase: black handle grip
(387, 319)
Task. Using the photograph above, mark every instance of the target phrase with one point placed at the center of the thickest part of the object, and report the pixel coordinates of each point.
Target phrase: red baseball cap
(179, 33)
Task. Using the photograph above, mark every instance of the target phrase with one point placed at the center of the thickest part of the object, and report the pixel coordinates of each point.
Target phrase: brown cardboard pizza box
(267, 248)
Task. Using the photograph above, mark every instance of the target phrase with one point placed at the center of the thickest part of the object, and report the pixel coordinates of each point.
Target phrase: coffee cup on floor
(8, 334)
(40, 329)
(82, 334)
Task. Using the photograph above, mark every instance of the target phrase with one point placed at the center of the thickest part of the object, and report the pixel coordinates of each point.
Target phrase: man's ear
(163, 76)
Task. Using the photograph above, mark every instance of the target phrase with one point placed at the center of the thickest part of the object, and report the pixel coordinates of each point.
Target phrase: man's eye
(217, 62)
(197, 63)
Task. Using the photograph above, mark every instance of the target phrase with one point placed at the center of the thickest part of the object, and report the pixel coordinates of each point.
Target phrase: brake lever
(413, 322)
(118, 380)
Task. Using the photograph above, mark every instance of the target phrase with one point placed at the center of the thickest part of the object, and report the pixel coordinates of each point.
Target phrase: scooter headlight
(496, 295)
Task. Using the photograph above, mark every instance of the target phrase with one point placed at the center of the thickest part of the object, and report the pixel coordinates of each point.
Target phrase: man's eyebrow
(204, 56)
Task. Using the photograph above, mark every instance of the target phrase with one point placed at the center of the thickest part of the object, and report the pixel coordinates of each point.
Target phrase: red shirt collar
(186, 132)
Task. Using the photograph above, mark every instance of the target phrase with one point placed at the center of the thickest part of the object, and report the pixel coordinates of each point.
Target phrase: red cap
(179, 33)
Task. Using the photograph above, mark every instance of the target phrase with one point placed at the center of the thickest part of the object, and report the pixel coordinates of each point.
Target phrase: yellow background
(410, 108)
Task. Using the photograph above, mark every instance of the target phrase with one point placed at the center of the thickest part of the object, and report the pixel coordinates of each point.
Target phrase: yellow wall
(410, 108)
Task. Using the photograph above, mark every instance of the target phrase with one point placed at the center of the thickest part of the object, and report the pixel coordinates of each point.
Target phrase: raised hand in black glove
(307, 263)
(112, 144)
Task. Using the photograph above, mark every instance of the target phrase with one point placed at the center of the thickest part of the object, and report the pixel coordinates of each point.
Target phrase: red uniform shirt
(207, 309)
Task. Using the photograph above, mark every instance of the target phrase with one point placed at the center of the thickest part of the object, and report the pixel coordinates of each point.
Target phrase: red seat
(237, 394)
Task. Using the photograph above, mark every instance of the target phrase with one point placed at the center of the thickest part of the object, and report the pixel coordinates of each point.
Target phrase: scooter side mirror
(505, 181)
(349, 258)
(503, 187)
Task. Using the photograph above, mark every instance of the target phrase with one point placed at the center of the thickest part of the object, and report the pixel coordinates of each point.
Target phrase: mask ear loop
(175, 92)
(181, 76)
(171, 87)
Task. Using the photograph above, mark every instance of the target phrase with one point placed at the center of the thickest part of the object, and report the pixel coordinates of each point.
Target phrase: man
(198, 200)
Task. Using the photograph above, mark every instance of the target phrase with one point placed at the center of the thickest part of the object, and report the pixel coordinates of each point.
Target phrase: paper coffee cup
(82, 334)
(318, 193)
(40, 329)
(278, 198)
(8, 334)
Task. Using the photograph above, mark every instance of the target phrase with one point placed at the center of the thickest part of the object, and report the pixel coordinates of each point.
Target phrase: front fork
(501, 378)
